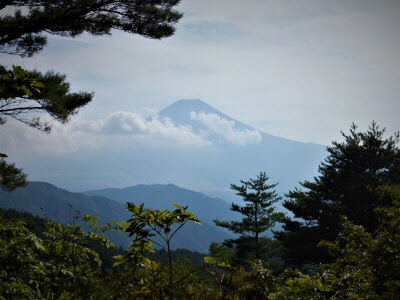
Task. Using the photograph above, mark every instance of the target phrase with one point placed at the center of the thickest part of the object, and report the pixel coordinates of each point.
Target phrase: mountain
(190, 144)
(285, 161)
(46, 200)
(157, 196)
(180, 113)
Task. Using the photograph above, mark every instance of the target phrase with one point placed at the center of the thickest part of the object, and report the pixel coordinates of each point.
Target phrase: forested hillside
(46, 200)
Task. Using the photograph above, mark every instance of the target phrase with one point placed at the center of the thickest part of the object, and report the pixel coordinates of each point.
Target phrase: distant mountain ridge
(46, 200)
(187, 151)
(158, 196)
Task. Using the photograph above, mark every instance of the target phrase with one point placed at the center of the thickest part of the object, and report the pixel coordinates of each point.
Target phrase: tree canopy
(346, 186)
(259, 217)
(23, 92)
(11, 177)
(364, 265)
(24, 32)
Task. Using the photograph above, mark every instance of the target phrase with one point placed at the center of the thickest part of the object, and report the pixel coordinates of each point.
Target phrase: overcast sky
(303, 70)
(299, 69)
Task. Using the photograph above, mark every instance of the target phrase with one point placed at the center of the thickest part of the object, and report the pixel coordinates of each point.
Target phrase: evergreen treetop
(346, 186)
(259, 213)
(25, 92)
(24, 32)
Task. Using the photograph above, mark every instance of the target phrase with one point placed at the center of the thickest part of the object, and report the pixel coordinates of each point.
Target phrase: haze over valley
(189, 143)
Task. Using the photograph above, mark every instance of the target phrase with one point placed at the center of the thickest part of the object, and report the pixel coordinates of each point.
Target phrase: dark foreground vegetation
(343, 243)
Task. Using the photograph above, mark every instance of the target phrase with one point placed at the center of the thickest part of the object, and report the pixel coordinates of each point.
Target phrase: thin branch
(185, 276)
(157, 243)
(158, 232)
(21, 108)
(180, 226)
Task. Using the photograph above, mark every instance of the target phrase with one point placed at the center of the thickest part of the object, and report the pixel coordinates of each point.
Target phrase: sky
(299, 69)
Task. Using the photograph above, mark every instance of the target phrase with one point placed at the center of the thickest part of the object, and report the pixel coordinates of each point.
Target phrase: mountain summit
(191, 144)
(181, 112)
(239, 151)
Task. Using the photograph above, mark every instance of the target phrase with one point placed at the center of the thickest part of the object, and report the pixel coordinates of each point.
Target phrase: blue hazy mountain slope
(48, 201)
(159, 196)
(44, 199)
(285, 161)
(206, 151)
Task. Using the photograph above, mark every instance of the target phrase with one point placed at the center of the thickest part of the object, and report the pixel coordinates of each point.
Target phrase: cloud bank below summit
(189, 143)
(225, 129)
(134, 124)
(131, 123)
(125, 130)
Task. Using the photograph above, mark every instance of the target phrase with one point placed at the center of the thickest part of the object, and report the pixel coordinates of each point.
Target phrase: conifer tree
(259, 217)
(23, 33)
(24, 30)
(28, 92)
(347, 186)
(10, 176)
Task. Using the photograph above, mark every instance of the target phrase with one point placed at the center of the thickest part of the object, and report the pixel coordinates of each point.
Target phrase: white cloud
(320, 64)
(225, 129)
(130, 123)
(121, 129)
(61, 140)
(122, 123)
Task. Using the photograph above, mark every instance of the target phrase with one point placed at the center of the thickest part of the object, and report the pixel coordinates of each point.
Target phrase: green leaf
(178, 205)
(210, 260)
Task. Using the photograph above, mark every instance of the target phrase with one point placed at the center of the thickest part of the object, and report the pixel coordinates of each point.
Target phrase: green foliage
(300, 286)
(347, 185)
(144, 225)
(51, 267)
(256, 281)
(23, 33)
(365, 265)
(18, 83)
(147, 223)
(259, 217)
(60, 263)
(19, 261)
(150, 281)
(370, 264)
(222, 252)
(23, 91)
(11, 177)
(161, 256)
